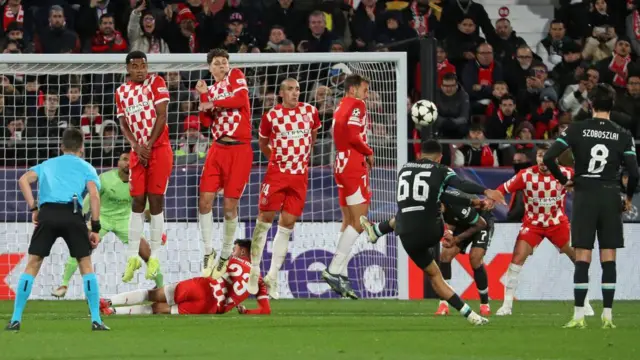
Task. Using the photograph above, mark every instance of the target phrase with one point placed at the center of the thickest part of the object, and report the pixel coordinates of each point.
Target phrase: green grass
(322, 329)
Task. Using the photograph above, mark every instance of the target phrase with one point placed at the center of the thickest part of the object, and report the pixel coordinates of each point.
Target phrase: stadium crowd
(494, 86)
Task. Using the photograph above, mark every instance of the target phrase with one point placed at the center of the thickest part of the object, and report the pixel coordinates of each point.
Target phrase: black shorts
(597, 212)
(481, 239)
(59, 221)
(419, 244)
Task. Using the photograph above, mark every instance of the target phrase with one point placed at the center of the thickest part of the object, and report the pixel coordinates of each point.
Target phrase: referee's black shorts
(59, 221)
(597, 212)
(418, 243)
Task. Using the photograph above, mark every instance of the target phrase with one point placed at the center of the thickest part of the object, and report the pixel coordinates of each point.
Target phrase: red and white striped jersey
(350, 125)
(137, 103)
(289, 131)
(231, 115)
(544, 196)
(231, 290)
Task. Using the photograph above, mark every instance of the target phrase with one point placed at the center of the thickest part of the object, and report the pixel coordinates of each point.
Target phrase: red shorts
(194, 296)
(559, 235)
(154, 178)
(353, 188)
(283, 192)
(227, 167)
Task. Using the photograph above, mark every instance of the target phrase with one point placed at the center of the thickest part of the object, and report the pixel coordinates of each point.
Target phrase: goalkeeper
(115, 207)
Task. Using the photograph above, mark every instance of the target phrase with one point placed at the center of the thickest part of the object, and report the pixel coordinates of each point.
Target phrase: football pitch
(323, 329)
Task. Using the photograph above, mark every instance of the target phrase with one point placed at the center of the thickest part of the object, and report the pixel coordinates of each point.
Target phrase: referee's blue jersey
(62, 177)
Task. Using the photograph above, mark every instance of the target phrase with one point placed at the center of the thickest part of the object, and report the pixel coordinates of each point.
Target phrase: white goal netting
(43, 95)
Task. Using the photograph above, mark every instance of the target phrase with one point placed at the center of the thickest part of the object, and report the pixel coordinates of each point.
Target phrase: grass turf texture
(323, 329)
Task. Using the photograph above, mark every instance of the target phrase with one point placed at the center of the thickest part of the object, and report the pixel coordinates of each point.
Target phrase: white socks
(258, 241)
(280, 248)
(228, 237)
(347, 239)
(136, 227)
(134, 310)
(206, 231)
(130, 298)
(578, 312)
(606, 313)
(512, 284)
(156, 226)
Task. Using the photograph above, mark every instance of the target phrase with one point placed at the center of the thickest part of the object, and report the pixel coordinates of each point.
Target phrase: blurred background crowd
(491, 84)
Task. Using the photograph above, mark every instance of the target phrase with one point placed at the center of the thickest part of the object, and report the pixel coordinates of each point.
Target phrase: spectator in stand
(444, 66)
(57, 39)
(47, 123)
(516, 72)
(91, 121)
(192, 141)
(538, 86)
(13, 12)
(182, 33)
(524, 132)
(175, 86)
(632, 25)
(506, 42)
(283, 13)
(276, 37)
(477, 152)
(71, 103)
(6, 114)
(629, 102)
(395, 30)
(453, 109)
(601, 44)
(107, 151)
(286, 46)
(15, 33)
(335, 18)
(614, 70)
(545, 117)
(107, 39)
(576, 95)
(420, 17)
(238, 39)
(33, 97)
(142, 32)
(550, 49)
(520, 161)
(457, 10)
(479, 76)
(569, 70)
(499, 90)
(502, 126)
(90, 15)
(461, 44)
(318, 38)
(184, 105)
(14, 129)
(364, 24)
(337, 46)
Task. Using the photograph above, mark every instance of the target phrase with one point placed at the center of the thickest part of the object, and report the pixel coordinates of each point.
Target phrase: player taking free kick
(142, 110)
(224, 106)
(354, 159)
(201, 295)
(544, 200)
(287, 134)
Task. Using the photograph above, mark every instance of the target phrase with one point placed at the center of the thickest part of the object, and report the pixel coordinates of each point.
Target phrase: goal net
(43, 95)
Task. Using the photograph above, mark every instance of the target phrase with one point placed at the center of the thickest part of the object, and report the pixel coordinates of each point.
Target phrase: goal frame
(398, 58)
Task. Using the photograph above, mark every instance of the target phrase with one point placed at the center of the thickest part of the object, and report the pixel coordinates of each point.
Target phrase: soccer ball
(424, 113)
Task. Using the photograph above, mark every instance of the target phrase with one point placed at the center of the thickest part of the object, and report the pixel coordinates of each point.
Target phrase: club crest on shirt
(145, 91)
(307, 118)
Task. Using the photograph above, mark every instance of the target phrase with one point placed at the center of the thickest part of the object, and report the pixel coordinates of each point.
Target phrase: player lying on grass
(198, 295)
(544, 199)
(465, 226)
(115, 210)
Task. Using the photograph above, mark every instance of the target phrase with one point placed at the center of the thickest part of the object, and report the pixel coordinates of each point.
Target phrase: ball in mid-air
(424, 113)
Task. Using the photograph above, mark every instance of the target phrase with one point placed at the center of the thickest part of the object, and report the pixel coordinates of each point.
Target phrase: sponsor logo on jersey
(355, 113)
(294, 134)
(241, 82)
(163, 90)
(136, 108)
(224, 95)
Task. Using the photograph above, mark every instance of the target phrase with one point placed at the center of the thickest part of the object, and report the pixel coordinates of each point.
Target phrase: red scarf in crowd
(636, 24)
(444, 67)
(419, 23)
(485, 75)
(486, 159)
(10, 17)
(620, 71)
(490, 109)
(543, 129)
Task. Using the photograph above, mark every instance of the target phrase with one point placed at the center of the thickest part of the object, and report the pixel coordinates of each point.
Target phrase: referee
(62, 181)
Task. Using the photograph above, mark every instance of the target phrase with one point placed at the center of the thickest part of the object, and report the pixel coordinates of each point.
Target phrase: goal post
(42, 103)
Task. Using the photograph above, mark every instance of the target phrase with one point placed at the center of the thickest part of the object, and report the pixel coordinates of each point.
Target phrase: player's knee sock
(134, 310)
(22, 295)
(69, 269)
(228, 237)
(608, 286)
(445, 269)
(459, 305)
(580, 287)
(382, 228)
(92, 293)
(280, 248)
(159, 280)
(136, 226)
(513, 274)
(482, 283)
(206, 231)
(345, 243)
(130, 298)
(258, 241)
(156, 228)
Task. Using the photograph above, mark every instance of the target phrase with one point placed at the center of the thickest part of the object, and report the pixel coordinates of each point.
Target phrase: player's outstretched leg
(445, 291)
(446, 256)
(70, 268)
(476, 258)
(571, 254)
(376, 231)
(521, 251)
